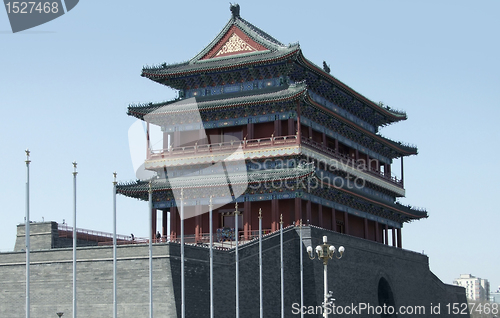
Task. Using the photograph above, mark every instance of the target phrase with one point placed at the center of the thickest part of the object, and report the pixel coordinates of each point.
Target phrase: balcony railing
(224, 146)
(346, 160)
(271, 142)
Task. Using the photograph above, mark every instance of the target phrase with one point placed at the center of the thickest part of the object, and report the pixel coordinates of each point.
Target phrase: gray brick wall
(353, 279)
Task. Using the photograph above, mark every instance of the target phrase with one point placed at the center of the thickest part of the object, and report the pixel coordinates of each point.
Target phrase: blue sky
(65, 86)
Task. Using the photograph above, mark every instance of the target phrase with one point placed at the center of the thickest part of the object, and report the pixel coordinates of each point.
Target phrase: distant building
(495, 297)
(476, 288)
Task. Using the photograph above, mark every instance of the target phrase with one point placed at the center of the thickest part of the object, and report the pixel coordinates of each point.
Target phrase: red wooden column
(388, 169)
(310, 132)
(291, 127)
(393, 236)
(320, 215)
(197, 224)
(400, 243)
(249, 131)
(165, 140)
(164, 223)
(148, 143)
(334, 221)
(377, 236)
(247, 225)
(336, 145)
(386, 232)
(177, 138)
(197, 228)
(298, 211)
(202, 137)
(366, 228)
(277, 128)
(402, 172)
(154, 214)
(298, 122)
(346, 223)
(308, 212)
(173, 223)
(275, 219)
(323, 140)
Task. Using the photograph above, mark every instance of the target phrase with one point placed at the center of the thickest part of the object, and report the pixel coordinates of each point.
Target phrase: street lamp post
(325, 252)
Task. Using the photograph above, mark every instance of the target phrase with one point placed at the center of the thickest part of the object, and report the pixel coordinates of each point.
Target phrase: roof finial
(235, 9)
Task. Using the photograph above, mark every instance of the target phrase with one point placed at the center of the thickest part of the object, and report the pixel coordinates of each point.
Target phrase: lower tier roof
(295, 182)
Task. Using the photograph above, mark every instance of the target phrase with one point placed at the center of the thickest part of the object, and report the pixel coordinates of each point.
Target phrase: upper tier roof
(241, 45)
(239, 42)
(272, 94)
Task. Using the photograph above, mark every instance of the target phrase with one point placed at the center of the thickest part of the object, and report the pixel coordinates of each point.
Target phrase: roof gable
(235, 41)
(238, 37)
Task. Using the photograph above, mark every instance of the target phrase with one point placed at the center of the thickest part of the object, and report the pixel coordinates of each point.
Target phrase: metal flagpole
(301, 273)
(211, 262)
(74, 238)
(236, 227)
(27, 233)
(183, 294)
(115, 312)
(260, 266)
(150, 211)
(281, 267)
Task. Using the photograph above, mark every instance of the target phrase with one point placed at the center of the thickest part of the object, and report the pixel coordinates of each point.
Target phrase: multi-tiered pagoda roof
(245, 77)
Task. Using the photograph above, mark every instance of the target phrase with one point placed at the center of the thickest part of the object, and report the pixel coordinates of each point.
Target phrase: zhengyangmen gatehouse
(259, 129)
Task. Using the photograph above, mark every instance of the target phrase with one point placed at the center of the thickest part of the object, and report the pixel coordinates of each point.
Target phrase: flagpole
(281, 267)
(150, 210)
(301, 273)
(74, 238)
(115, 311)
(260, 266)
(27, 233)
(183, 294)
(211, 262)
(237, 262)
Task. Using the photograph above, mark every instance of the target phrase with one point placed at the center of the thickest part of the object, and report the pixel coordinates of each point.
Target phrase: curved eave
(219, 64)
(406, 211)
(391, 115)
(226, 101)
(397, 147)
(140, 189)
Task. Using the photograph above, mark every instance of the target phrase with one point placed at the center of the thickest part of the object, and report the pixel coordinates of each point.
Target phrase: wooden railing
(224, 146)
(271, 142)
(346, 160)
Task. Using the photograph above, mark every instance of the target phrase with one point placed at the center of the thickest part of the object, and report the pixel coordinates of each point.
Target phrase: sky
(65, 87)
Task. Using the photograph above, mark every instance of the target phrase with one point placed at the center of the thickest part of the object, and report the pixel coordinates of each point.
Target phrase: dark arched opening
(385, 297)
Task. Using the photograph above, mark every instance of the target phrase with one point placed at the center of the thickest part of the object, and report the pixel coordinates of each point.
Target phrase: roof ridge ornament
(326, 67)
(235, 10)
